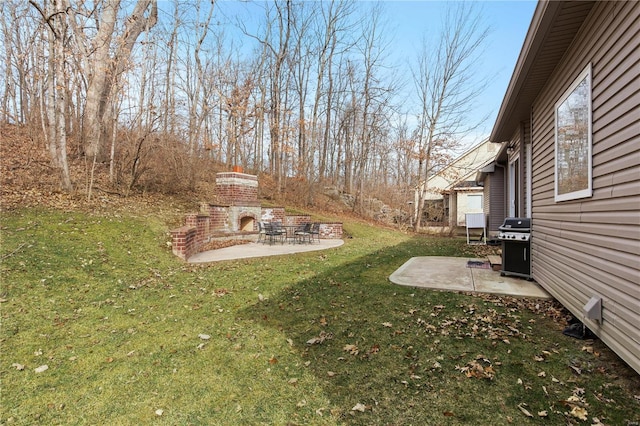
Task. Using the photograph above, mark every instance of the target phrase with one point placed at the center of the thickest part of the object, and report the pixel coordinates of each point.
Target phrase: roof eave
(553, 28)
(542, 19)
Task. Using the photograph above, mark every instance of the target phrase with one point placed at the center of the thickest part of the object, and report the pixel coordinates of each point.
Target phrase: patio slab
(452, 274)
(242, 251)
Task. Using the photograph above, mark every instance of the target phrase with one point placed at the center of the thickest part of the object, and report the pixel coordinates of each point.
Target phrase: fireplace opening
(247, 224)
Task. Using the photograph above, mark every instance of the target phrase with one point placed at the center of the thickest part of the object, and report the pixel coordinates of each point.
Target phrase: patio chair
(303, 233)
(315, 230)
(273, 231)
(261, 232)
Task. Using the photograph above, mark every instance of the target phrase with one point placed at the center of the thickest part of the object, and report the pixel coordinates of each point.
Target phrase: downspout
(520, 171)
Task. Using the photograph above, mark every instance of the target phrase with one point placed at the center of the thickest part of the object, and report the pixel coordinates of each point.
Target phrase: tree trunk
(106, 66)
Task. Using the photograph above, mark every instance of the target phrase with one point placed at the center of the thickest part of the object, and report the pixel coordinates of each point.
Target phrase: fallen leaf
(293, 381)
(330, 373)
(323, 321)
(319, 339)
(542, 374)
(387, 324)
(543, 413)
(352, 349)
(359, 407)
(579, 413)
(159, 412)
(524, 410)
(17, 366)
(577, 370)
(204, 336)
(41, 369)
(273, 360)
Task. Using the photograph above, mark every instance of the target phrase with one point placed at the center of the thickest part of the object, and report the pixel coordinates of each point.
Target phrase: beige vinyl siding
(591, 247)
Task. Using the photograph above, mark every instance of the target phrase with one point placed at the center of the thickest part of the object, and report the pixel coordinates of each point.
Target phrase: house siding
(591, 246)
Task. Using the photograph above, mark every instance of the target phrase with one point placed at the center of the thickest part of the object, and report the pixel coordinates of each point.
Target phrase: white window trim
(512, 184)
(587, 192)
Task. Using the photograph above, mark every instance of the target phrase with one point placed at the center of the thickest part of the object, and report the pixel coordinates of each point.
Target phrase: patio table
(291, 233)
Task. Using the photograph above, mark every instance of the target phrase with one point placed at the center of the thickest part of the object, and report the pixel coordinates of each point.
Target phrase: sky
(508, 22)
(409, 21)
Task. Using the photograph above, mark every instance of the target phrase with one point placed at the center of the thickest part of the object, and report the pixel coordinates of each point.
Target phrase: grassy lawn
(131, 335)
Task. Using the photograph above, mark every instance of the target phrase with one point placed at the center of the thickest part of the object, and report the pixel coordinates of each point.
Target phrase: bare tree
(335, 29)
(276, 48)
(107, 57)
(55, 127)
(446, 90)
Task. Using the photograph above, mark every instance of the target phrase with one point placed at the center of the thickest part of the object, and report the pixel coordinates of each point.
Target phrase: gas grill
(515, 234)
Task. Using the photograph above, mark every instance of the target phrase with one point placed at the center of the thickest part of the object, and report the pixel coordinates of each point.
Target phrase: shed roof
(553, 27)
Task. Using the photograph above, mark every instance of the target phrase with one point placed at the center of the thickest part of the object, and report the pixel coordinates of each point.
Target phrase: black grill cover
(516, 224)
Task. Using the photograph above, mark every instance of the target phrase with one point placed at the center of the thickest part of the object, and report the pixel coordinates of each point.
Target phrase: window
(573, 140)
(474, 202)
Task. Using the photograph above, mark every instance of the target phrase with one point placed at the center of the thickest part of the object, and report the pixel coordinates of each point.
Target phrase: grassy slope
(121, 325)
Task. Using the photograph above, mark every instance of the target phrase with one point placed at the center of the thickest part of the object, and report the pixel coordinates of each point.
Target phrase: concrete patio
(452, 274)
(260, 249)
(432, 272)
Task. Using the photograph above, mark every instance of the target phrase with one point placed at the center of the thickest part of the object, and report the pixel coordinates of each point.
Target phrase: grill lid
(516, 224)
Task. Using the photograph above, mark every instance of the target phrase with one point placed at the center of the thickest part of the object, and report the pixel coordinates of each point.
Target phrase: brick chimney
(237, 189)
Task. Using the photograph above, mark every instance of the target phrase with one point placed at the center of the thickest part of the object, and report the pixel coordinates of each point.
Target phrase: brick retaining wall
(200, 229)
(238, 212)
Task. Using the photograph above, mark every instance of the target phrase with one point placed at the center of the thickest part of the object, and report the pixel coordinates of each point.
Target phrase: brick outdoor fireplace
(235, 215)
(238, 192)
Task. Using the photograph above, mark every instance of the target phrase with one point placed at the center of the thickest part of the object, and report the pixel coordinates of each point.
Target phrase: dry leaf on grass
(524, 410)
(352, 349)
(319, 339)
(359, 407)
(41, 369)
(579, 413)
(479, 368)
